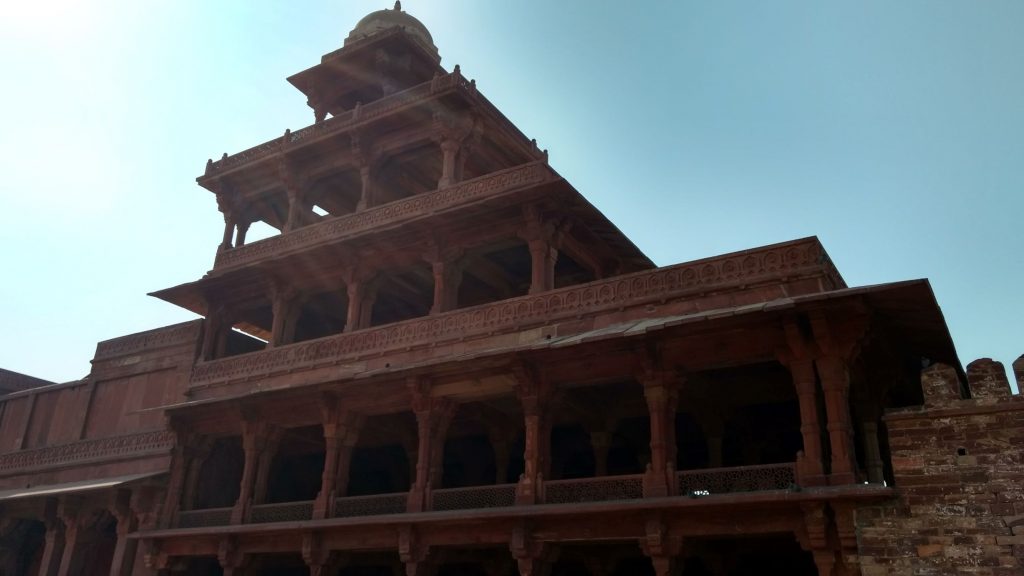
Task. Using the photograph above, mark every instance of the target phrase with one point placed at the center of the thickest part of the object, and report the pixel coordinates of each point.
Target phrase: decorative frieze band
(802, 257)
(183, 333)
(87, 451)
(333, 229)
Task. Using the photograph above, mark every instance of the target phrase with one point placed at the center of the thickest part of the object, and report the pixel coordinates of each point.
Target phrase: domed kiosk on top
(382, 20)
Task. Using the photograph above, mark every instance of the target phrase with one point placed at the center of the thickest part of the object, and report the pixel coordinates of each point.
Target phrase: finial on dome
(398, 5)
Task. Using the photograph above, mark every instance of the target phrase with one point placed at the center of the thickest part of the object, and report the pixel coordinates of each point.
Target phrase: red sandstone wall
(959, 469)
(130, 375)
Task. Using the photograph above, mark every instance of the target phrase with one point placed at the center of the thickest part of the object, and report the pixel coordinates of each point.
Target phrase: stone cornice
(801, 258)
(335, 229)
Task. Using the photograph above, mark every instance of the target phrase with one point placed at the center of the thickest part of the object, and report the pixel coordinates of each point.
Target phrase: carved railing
(204, 518)
(375, 505)
(692, 483)
(87, 451)
(733, 270)
(739, 479)
(339, 123)
(333, 229)
(602, 489)
(183, 333)
(281, 512)
(474, 497)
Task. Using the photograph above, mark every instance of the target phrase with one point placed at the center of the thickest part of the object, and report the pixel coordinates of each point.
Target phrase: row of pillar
(72, 529)
(660, 388)
(361, 290)
(455, 134)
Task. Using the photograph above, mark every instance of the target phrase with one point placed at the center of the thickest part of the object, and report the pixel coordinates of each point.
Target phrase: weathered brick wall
(958, 466)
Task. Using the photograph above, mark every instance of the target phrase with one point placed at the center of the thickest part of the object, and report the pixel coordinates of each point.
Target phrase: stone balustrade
(692, 483)
(740, 479)
(131, 445)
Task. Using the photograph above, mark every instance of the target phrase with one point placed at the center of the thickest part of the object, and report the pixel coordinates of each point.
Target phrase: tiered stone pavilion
(447, 361)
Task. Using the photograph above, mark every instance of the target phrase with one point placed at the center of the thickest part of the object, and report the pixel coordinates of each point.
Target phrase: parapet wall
(958, 466)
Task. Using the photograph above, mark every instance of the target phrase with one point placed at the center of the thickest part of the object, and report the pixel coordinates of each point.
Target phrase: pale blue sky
(892, 130)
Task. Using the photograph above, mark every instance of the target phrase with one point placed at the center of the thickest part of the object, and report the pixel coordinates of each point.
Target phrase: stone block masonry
(958, 466)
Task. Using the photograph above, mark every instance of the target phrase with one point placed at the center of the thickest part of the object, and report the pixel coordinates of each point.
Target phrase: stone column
(323, 507)
(367, 196)
(543, 256)
(365, 158)
(214, 327)
(341, 431)
(124, 549)
(286, 309)
(433, 414)
(68, 511)
(296, 205)
(600, 442)
(500, 446)
(270, 446)
(144, 505)
(449, 150)
(835, 382)
(660, 391)
(254, 436)
(447, 278)
(872, 453)
(348, 446)
(243, 228)
(361, 297)
(181, 461)
(535, 396)
(229, 229)
(294, 186)
(53, 542)
(450, 131)
(198, 455)
(811, 469)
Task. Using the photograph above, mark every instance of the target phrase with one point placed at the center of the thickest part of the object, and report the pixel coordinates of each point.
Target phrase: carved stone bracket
(317, 557)
(412, 552)
(660, 546)
(230, 557)
(530, 554)
(814, 537)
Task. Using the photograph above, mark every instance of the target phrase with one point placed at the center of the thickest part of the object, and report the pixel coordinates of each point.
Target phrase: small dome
(382, 20)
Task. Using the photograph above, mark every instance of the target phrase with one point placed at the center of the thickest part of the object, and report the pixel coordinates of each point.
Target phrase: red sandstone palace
(448, 362)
